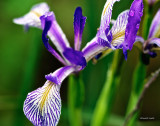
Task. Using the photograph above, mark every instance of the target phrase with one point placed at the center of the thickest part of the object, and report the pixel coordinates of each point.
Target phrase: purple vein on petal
(43, 105)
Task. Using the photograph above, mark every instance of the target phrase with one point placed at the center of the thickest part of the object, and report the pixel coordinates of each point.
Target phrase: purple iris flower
(123, 32)
(151, 2)
(153, 42)
(43, 106)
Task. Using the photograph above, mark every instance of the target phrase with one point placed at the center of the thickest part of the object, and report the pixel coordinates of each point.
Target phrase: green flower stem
(137, 88)
(137, 85)
(104, 103)
(75, 100)
(140, 71)
(132, 116)
(147, 19)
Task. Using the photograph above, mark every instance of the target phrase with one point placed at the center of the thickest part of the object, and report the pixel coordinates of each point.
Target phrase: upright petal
(135, 14)
(118, 28)
(54, 32)
(59, 75)
(32, 18)
(106, 16)
(154, 30)
(43, 106)
(103, 34)
(79, 23)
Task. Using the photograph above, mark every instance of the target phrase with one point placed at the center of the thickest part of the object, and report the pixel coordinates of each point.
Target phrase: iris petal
(103, 31)
(92, 49)
(139, 39)
(32, 18)
(155, 26)
(75, 57)
(55, 33)
(43, 106)
(59, 75)
(106, 16)
(46, 27)
(155, 41)
(79, 23)
(135, 14)
(118, 28)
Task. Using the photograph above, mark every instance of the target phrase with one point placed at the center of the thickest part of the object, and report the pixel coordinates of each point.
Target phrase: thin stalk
(137, 87)
(140, 71)
(139, 102)
(147, 19)
(104, 103)
(75, 100)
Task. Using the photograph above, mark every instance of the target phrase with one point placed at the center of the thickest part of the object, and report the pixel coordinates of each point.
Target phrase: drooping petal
(139, 39)
(75, 57)
(54, 32)
(118, 28)
(43, 106)
(79, 23)
(155, 41)
(32, 18)
(135, 14)
(47, 26)
(92, 49)
(106, 16)
(155, 26)
(59, 75)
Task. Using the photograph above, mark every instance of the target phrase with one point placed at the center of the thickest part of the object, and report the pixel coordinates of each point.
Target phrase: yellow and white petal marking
(106, 15)
(118, 29)
(43, 106)
(33, 17)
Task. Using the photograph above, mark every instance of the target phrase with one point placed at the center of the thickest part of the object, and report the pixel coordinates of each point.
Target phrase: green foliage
(75, 100)
(105, 100)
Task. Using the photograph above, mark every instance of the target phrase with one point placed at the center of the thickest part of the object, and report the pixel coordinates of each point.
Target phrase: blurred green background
(24, 62)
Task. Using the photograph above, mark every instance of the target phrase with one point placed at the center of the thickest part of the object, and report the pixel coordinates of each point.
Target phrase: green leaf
(75, 99)
(105, 101)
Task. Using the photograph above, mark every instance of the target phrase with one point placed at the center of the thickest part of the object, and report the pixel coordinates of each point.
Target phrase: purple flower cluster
(43, 106)
(153, 42)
